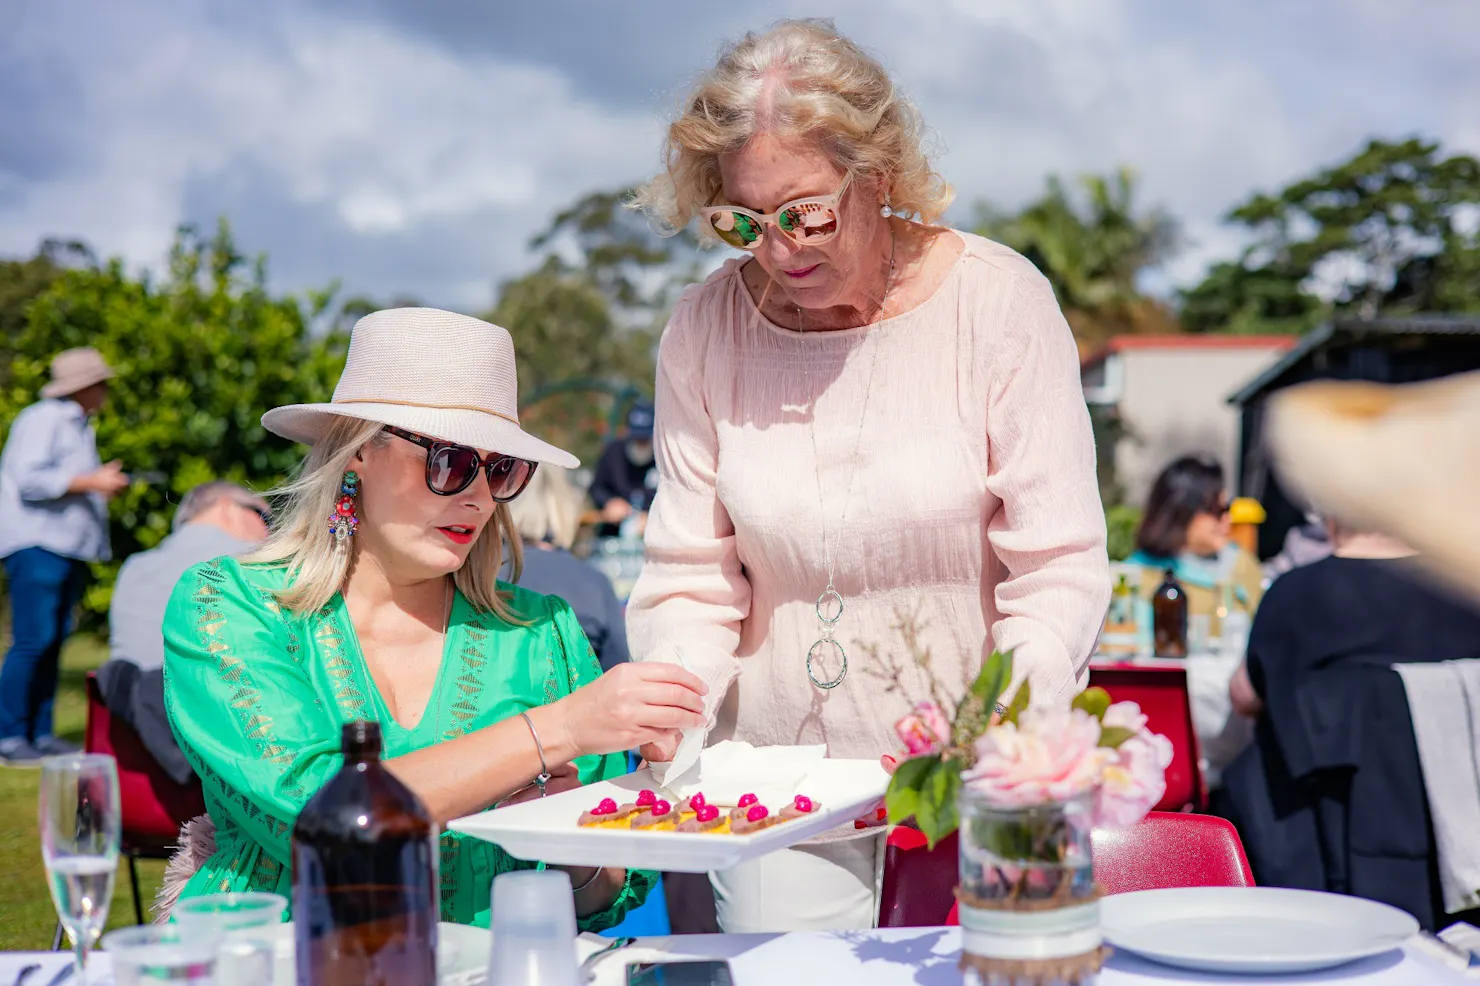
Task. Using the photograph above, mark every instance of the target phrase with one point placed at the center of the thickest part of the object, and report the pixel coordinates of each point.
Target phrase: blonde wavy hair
(318, 564)
(798, 79)
(549, 509)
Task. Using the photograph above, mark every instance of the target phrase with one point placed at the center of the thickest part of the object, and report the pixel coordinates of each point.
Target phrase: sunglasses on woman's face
(452, 468)
(806, 222)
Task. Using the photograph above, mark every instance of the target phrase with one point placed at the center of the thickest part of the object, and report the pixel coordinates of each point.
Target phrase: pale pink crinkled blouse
(975, 500)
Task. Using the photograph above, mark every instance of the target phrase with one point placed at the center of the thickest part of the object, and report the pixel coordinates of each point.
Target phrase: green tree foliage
(591, 313)
(199, 356)
(1395, 229)
(1093, 249)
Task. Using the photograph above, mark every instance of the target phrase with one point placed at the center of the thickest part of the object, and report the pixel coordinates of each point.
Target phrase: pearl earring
(885, 210)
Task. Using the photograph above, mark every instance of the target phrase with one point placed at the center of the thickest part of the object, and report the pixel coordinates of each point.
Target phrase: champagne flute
(80, 822)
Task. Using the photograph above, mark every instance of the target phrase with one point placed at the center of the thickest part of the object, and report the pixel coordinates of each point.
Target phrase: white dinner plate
(547, 829)
(1252, 929)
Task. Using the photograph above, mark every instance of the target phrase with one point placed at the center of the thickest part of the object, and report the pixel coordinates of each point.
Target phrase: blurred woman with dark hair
(1185, 528)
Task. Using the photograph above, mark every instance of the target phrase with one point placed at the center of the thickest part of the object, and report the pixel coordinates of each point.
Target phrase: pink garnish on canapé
(661, 808)
(756, 813)
(607, 807)
(803, 803)
(706, 813)
(746, 800)
(697, 801)
(646, 799)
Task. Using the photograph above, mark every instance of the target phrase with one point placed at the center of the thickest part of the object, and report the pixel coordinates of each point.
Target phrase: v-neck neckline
(432, 710)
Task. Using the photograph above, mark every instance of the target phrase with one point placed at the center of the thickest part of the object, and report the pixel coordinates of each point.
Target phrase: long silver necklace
(830, 603)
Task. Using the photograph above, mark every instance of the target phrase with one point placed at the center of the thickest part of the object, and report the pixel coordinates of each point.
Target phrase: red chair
(1167, 849)
(154, 806)
(1161, 692)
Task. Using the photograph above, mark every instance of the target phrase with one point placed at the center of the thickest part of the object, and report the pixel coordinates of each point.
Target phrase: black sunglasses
(452, 468)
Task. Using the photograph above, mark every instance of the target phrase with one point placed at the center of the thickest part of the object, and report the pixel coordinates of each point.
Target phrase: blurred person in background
(1185, 528)
(1305, 544)
(1331, 795)
(54, 494)
(864, 411)
(213, 520)
(547, 516)
(626, 478)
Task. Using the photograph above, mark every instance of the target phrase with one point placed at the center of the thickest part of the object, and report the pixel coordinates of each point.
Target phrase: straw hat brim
(307, 423)
(1401, 460)
(67, 386)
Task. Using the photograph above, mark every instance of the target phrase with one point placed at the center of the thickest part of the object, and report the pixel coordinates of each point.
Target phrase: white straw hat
(436, 373)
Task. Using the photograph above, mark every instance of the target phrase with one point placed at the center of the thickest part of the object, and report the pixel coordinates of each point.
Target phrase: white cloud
(353, 147)
(381, 133)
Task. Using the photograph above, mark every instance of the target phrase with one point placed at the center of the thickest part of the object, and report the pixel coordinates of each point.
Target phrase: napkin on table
(1444, 699)
(725, 771)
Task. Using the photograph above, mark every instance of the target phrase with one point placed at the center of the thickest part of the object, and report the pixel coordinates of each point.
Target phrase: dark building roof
(1303, 361)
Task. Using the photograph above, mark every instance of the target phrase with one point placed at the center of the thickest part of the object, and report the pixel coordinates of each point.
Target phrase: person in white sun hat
(376, 598)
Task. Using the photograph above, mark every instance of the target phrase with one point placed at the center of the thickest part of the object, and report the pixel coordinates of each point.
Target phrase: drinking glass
(248, 929)
(80, 819)
(150, 954)
(534, 930)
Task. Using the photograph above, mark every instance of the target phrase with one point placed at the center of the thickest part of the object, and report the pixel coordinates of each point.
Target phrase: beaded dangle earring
(344, 520)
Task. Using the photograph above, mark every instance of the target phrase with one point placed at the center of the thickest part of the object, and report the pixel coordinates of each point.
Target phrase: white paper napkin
(725, 771)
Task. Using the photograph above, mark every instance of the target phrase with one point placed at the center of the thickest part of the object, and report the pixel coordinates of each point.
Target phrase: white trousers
(831, 886)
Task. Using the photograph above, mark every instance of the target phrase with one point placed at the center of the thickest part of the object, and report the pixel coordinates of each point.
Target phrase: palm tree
(1092, 253)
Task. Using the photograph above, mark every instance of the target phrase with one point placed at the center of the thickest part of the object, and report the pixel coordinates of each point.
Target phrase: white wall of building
(1173, 402)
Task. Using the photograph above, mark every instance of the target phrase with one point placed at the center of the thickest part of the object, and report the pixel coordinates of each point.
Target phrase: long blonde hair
(318, 565)
(549, 509)
(801, 79)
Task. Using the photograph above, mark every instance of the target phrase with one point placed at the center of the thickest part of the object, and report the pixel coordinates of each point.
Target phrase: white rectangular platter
(546, 829)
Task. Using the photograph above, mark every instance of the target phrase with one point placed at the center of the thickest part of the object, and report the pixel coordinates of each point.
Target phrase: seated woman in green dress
(376, 598)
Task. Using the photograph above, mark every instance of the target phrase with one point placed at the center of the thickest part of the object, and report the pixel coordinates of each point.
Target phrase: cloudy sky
(411, 147)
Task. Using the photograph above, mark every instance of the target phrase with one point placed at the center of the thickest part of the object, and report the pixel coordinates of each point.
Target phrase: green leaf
(1113, 736)
(903, 797)
(936, 812)
(1094, 701)
(1019, 703)
(995, 675)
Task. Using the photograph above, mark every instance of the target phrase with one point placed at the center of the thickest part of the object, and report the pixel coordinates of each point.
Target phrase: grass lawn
(27, 919)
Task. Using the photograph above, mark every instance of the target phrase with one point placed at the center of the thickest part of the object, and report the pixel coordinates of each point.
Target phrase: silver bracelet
(543, 777)
(588, 883)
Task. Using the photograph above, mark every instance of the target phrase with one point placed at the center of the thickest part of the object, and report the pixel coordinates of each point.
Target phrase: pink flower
(924, 731)
(1135, 778)
(1051, 755)
(1126, 715)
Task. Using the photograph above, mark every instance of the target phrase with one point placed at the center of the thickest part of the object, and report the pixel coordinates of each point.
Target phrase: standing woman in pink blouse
(864, 416)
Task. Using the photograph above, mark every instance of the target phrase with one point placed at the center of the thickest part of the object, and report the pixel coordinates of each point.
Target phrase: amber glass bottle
(365, 902)
(1169, 618)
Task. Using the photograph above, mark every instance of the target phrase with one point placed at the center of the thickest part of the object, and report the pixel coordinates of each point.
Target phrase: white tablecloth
(891, 957)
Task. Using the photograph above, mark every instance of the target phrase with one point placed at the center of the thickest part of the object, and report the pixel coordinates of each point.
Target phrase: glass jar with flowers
(1026, 785)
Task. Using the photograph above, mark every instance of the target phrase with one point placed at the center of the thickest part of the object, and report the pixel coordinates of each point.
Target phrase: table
(896, 957)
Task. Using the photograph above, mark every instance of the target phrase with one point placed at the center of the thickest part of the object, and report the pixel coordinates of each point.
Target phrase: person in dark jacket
(626, 477)
(547, 515)
(1330, 796)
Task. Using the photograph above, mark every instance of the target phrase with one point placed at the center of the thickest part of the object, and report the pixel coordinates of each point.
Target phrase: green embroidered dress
(257, 694)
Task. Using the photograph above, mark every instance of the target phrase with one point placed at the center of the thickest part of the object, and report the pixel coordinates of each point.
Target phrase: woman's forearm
(598, 896)
(466, 775)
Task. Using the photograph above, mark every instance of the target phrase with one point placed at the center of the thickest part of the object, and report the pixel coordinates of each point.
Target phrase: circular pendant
(821, 651)
(830, 606)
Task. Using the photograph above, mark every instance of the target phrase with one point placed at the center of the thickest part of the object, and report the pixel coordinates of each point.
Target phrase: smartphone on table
(689, 972)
